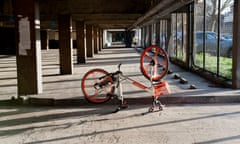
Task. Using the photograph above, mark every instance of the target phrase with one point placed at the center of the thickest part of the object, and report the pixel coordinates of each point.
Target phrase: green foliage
(225, 64)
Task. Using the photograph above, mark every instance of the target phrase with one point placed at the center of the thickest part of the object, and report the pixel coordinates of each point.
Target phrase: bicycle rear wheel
(154, 63)
(97, 86)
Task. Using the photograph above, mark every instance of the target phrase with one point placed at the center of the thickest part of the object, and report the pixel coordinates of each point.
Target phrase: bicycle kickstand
(122, 102)
(122, 105)
(156, 103)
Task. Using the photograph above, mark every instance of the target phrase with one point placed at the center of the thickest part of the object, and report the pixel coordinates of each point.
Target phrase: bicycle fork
(122, 102)
(155, 102)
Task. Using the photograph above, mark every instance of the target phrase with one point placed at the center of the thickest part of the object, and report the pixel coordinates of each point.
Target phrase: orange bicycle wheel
(97, 86)
(154, 63)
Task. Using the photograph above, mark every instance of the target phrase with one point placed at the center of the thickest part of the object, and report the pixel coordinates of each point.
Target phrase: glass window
(198, 44)
(163, 34)
(213, 24)
(172, 50)
(178, 36)
(153, 42)
(211, 38)
(226, 40)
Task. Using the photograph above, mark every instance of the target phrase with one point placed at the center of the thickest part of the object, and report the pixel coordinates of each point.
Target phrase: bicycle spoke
(156, 55)
(161, 64)
(89, 86)
(95, 94)
(155, 70)
(95, 78)
(148, 68)
(148, 57)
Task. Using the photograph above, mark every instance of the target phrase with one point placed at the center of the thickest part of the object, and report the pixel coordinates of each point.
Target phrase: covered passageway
(201, 36)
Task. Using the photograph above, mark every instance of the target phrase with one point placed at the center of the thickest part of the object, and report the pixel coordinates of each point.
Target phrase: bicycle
(99, 86)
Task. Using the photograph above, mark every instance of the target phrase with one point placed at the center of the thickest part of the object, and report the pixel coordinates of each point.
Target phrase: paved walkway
(66, 89)
(188, 124)
(96, 124)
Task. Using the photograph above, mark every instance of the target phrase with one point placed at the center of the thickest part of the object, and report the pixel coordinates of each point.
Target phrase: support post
(89, 40)
(28, 46)
(65, 44)
(158, 33)
(44, 40)
(100, 39)
(95, 39)
(81, 49)
(150, 34)
(236, 46)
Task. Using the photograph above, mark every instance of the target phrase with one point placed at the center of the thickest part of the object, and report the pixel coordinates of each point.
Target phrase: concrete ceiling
(104, 13)
(107, 14)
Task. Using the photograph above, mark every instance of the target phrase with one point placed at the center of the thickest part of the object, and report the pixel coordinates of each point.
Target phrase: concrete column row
(29, 70)
(94, 40)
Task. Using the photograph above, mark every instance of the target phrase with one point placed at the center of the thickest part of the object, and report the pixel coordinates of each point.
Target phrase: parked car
(211, 42)
(226, 36)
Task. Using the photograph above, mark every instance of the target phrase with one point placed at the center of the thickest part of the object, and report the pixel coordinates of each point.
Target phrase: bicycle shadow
(12, 118)
(145, 126)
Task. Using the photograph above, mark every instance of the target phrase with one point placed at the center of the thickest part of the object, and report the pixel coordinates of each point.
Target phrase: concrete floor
(185, 124)
(67, 88)
(63, 123)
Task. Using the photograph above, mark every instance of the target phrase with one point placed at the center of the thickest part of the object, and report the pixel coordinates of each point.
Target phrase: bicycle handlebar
(119, 66)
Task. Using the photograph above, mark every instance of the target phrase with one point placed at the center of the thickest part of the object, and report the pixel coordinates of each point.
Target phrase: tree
(212, 7)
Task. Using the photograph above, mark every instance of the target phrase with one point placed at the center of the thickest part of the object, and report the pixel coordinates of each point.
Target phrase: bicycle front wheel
(154, 63)
(97, 86)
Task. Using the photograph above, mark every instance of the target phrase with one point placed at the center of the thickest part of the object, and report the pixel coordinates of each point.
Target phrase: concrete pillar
(236, 46)
(89, 40)
(169, 29)
(128, 38)
(105, 38)
(81, 49)
(65, 44)
(146, 36)
(95, 39)
(150, 35)
(100, 39)
(158, 32)
(108, 38)
(28, 46)
(44, 40)
(142, 36)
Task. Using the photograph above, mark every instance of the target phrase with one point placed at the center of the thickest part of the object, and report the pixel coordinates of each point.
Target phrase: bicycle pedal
(155, 109)
(120, 108)
(151, 111)
(116, 110)
(112, 95)
(124, 106)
